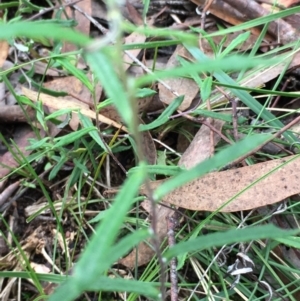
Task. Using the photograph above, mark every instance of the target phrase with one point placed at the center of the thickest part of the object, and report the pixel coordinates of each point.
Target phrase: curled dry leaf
(200, 148)
(213, 190)
(183, 86)
(149, 148)
(4, 195)
(224, 11)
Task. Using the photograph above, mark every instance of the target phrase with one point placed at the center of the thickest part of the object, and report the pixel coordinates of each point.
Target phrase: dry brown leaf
(183, 86)
(213, 190)
(3, 52)
(131, 39)
(83, 24)
(200, 148)
(15, 114)
(73, 86)
(40, 268)
(144, 253)
(21, 136)
(56, 104)
(148, 145)
(131, 13)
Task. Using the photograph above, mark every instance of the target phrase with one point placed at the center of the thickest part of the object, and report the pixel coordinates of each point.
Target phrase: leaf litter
(244, 188)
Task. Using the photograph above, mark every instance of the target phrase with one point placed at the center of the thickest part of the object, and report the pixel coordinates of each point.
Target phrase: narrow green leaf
(148, 289)
(59, 113)
(145, 92)
(36, 144)
(10, 4)
(57, 167)
(76, 72)
(25, 275)
(228, 237)
(100, 246)
(245, 97)
(44, 29)
(150, 45)
(235, 42)
(67, 139)
(220, 116)
(165, 170)
(205, 89)
(231, 63)
(86, 122)
(99, 217)
(123, 247)
(291, 241)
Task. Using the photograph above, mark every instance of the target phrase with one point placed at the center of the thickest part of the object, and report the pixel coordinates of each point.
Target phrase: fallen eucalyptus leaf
(243, 188)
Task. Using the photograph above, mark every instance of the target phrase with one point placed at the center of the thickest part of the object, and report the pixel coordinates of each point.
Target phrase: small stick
(234, 119)
(172, 222)
(47, 10)
(204, 11)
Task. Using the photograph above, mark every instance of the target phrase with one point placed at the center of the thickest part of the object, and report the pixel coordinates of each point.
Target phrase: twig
(92, 20)
(172, 222)
(204, 11)
(285, 85)
(47, 10)
(234, 119)
(155, 240)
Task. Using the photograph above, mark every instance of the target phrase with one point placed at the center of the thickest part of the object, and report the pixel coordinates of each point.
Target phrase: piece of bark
(278, 28)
